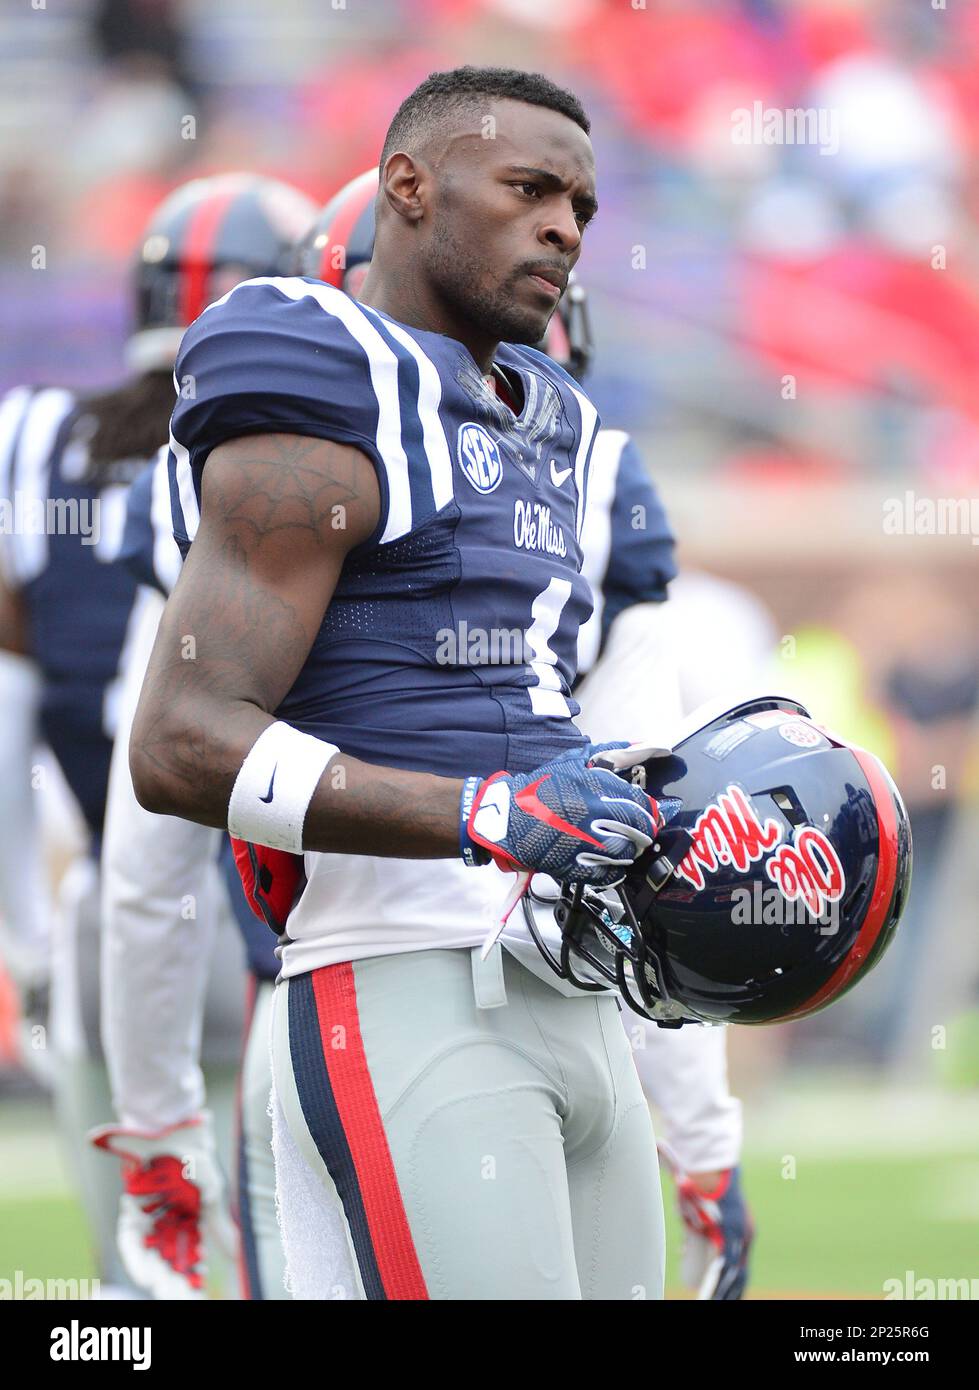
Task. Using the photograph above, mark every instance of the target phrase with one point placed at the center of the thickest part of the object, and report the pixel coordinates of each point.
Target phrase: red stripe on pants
(335, 992)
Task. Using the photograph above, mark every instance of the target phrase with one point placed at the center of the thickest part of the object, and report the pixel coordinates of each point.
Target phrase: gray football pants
(263, 1260)
(484, 1136)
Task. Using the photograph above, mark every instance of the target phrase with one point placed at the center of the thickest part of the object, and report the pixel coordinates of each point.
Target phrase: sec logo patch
(479, 457)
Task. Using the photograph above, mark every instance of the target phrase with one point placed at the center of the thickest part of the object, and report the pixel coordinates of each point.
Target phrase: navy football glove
(577, 823)
(718, 1238)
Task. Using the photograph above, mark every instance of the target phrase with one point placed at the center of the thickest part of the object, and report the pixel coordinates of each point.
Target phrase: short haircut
(444, 94)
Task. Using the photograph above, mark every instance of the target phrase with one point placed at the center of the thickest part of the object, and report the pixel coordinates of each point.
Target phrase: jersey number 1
(546, 698)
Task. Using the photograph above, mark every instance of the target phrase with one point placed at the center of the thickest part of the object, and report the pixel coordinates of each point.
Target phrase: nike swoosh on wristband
(268, 796)
(559, 475)
(531, 804)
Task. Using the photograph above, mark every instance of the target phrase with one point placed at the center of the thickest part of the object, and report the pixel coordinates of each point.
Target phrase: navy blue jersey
(627, 541)
(449, 645)
(147, 547)
(77, 608)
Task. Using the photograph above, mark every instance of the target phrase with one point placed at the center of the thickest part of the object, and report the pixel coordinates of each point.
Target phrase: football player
(163, 895)
(309, 1196)
(366, 563)
(628, 557)
(381, 507)
(66, 464)
(337, 249)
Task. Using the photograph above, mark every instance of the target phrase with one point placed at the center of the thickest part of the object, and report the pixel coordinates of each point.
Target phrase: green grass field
(879, 1189)
(844, 1226)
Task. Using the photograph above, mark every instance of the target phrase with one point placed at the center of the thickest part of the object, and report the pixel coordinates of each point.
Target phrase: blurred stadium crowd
(758, 256)
(791, 330)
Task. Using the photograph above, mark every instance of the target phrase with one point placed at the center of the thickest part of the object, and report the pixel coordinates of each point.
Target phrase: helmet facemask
(755, 797)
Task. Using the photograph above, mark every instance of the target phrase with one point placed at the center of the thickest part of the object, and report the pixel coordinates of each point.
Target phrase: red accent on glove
(531, 804)
(271, 880)
(176, 1204)
(696, 1216)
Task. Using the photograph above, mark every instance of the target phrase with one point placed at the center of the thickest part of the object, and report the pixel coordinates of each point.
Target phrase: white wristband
(275, 785)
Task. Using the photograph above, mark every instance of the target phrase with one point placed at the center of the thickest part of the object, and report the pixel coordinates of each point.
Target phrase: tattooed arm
(236, 633)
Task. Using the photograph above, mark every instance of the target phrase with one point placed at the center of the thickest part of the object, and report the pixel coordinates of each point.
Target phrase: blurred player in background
(66, 463)
(70, 621)
(683, 1070)
(718, 639)
(635, 670)
(164, 895)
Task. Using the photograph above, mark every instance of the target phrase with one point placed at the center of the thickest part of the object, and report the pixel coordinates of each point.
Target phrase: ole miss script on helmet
(728, 833)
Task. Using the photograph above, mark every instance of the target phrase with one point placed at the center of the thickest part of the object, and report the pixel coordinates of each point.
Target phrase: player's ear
(401, 182)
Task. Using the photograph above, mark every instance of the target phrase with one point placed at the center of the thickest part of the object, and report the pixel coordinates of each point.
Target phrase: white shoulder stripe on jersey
(31, 477)
(589, 424)
(383, 367)
(112, 522)
(190, 512)
(166, 553)
(12, 409)
(429, 400)
(596, 536)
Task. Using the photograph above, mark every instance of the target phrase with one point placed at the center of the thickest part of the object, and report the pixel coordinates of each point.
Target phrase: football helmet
(203, 239)
(775, 885)
(337, 249)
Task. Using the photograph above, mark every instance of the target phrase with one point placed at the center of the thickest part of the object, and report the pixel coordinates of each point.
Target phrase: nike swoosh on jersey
(559, 475)
(268, 796)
